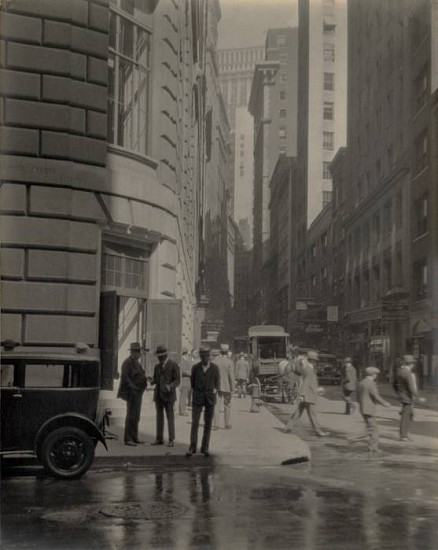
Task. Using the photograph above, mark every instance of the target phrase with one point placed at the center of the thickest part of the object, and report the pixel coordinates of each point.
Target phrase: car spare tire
(67, 452)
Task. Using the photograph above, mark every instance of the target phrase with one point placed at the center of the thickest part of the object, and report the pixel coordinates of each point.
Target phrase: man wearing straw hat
(132, 386)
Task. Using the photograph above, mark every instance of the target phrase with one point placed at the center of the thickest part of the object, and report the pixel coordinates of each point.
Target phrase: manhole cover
(137, 510)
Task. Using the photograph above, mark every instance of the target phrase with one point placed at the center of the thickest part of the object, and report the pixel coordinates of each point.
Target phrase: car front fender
(69, 419)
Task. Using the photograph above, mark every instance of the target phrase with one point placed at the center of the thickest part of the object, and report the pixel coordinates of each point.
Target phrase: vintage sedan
(49, 407)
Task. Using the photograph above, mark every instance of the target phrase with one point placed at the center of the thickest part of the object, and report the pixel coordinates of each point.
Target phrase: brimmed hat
(215, 352)
(136, 346)
(203, 350)
(225, 347)
(312, 355)
(371, 370)
(185, 350)
(408, 359)
(161, 350)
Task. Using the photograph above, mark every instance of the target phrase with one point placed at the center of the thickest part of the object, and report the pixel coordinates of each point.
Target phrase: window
(128, 84)
(313, 250)
(420, 279)
(329, 110)
(421, 146)
(7, 375)
(329, 52)
(241, 170)
(283, 77)
(124, 267)
(44, 376)
(282, 132)
(328, 140)
(282, 94)
(283, 113)
(324, 240)
(366, 237)
(313, 281)
(421, 216)
(325, 170)
(376, 228)
(421, 88)
(326, 198)
(329, 81)
(387, 270)
(329, 24)
(281, 40)
(387, 218)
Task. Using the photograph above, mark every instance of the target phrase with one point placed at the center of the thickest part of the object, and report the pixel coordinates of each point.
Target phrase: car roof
(45, 355)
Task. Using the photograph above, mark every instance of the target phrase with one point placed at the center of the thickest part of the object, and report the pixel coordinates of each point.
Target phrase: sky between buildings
(245, 22)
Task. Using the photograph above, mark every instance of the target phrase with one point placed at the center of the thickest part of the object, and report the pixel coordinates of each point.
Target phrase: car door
(11, 406)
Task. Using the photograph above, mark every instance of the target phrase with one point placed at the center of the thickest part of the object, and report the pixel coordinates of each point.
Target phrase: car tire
(67, 452)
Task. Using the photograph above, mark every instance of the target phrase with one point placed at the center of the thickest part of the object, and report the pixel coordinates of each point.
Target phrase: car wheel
(67, 452)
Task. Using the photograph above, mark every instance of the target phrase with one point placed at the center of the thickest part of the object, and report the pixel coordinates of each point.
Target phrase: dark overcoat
(132, 380)
(166, 375)
(205, 385)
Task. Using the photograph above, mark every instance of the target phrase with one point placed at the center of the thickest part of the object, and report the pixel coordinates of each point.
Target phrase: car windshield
(271, 348)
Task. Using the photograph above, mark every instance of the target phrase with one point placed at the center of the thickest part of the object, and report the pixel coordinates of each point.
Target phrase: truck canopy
(267, 330)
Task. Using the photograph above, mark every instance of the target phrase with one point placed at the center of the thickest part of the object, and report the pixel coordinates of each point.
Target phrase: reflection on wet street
(226, 508)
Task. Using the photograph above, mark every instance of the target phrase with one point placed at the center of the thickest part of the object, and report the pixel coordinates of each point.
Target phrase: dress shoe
(170, 444)
(138, 442)
(189, 453)
(206, 454)
(157, 443)
(130, 444)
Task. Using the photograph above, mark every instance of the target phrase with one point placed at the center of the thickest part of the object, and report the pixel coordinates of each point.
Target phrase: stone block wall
(53, 104)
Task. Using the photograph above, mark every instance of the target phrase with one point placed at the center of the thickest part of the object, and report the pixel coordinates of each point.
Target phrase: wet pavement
(305, 507)
(342, 499)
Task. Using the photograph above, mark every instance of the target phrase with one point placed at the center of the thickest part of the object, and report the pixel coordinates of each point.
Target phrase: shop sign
(397, 311)
(314, 328)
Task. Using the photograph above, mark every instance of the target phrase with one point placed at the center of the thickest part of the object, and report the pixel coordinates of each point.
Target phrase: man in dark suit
(405, 385)
(166, 379)
(132, 386)
(205, 381)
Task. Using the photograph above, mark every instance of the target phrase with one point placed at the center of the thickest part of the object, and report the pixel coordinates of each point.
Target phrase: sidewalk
(255, 439)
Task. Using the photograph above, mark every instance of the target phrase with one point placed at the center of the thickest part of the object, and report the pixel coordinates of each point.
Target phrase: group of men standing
(306, 391)
(209, 384)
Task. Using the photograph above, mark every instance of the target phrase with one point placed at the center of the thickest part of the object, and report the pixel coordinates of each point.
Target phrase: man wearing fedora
(166, 379)
(308, 394)
(349, 382)
(405, 386)
(226, 388)
(368, 396)
(132, 386)
(205, 382)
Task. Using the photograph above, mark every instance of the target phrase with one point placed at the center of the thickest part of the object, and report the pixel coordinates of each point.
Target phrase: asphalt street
(340, 499)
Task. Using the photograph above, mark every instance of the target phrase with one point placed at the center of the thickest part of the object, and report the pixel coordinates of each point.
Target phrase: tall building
(273, 104)
(423, 64)
(103, 174)
(322, 123)
(322, 99)
(236, 70)
(218, 230)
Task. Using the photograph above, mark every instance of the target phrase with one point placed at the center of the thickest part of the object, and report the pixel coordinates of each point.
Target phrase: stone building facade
(102, 173)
